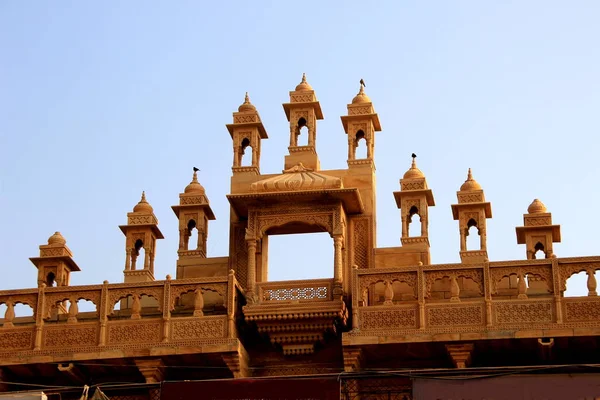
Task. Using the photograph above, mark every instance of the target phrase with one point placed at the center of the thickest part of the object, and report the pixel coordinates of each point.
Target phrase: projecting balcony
(470, 303)
(159, 318)
(296, 314)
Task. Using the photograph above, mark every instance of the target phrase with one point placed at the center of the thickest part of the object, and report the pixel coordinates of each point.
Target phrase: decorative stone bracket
(297, 327)
(460, 354)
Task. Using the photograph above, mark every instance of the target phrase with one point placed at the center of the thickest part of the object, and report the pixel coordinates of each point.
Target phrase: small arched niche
(246, 153)
(302, 132)
(414, 222)
(192, 238)
(360, 146)
(472, 235)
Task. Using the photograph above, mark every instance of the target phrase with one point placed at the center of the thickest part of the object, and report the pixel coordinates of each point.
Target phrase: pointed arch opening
(360, 146)
(472, 235)
(192, 235)
(246, 153)
(302, 132)
(414, 222)
(138, 255)
(538, 251)
(50, 279)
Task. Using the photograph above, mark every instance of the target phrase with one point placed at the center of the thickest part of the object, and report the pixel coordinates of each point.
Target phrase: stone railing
(150, 314)
(295, 291)
(451, 299)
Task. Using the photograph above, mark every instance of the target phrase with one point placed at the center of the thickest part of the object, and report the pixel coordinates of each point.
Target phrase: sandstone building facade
(385, 309)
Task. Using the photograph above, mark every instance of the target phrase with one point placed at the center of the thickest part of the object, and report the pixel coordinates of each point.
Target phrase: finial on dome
(143, 205)
(304, 85)
(194, 185)
(537, 207)
(413, 172)
(361, 97)
(57, 239)
(246, 105)
(470, 183)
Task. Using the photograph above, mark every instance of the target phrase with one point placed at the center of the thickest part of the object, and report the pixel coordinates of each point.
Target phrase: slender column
(463, 240)
(482, 241)
(251, 266)
(404, 226)
(146, 258)
(337, 259)
(166, 307)
(127, 260)
(103, 314)
(39, 317)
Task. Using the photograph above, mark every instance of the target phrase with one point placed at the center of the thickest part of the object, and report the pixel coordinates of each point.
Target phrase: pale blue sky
(99, 101)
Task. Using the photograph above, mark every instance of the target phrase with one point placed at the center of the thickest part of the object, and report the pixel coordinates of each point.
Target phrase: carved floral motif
(512, 312)
(16, 339)
(146, 332)
(582, 311)
(388, 318)
(455, 315)
(198, 328)
(70, 336)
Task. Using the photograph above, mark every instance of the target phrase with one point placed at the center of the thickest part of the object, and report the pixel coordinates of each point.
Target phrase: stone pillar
(127, 260)
(251, 266)
(337, 259)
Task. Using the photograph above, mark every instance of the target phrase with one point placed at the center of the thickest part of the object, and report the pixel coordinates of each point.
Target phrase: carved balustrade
(295, 291)
(127, 317)
(296, 314)
(501, 297)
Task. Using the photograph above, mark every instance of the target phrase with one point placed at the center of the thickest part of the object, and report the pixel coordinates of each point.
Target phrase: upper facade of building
(384, 308)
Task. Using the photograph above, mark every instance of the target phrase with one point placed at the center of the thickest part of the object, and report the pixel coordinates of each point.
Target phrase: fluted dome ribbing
(57, 238)
(536, 207)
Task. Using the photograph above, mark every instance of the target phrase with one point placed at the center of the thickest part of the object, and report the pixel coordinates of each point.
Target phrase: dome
(536, 207)
(143, 205)
(246, 106)
(413, 172)
(361, 97)
(470, 184)
(303, 85)
(57, 238)
(194, 186)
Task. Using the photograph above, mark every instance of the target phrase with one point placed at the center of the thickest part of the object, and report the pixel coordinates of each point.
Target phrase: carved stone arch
(410, 278)
(476, 275)
(325, 221)
(566, 271)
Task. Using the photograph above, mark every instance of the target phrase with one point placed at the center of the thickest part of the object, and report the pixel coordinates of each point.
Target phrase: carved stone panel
(140, 332)
(388, 318)
(207, 327)
(16, 339)
(514, 312)
(360, 238)
(65, 336)
(582, 310)
(455, 315)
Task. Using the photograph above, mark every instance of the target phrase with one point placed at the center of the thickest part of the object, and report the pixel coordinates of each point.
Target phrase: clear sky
(99, 101)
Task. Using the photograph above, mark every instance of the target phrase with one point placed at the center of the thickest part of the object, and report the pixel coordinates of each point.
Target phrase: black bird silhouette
(362, 82)
(414, 155)
(196, 169)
